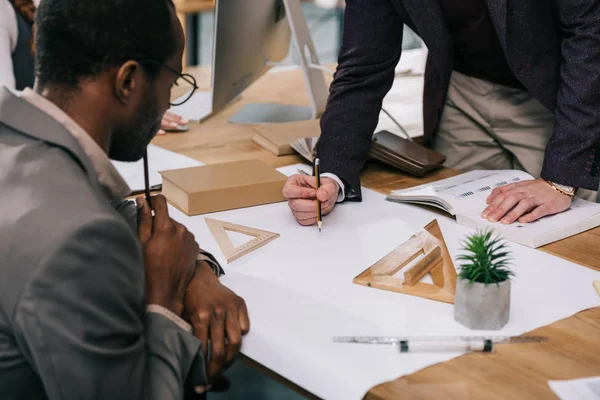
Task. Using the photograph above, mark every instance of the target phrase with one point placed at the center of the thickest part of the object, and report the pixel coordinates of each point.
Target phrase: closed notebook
(397, 152)
(276, 138)
(404, 154)
(220, 187)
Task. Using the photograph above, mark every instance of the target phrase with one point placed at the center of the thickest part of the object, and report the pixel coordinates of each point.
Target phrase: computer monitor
(250, 38)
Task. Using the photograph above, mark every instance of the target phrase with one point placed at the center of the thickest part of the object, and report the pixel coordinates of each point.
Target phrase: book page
(305, 147)
(581, 216)
(463, 192)
(577, 389)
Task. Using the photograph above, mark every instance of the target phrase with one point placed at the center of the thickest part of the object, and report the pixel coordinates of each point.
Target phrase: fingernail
(173, 124)
(493, 219)
(484, 214)
(183, 121)
(505, 221)
(161, 132)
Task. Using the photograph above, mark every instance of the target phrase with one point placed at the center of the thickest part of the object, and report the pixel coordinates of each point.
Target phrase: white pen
(440, 344)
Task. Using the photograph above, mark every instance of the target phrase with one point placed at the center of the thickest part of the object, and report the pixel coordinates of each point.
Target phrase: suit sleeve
(573, 153)
(371, 47)
(82, 322)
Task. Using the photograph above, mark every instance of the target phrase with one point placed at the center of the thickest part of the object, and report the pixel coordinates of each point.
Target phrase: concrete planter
(477, 306)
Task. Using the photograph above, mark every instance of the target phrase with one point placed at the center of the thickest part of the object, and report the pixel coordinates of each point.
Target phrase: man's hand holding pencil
(301, 192)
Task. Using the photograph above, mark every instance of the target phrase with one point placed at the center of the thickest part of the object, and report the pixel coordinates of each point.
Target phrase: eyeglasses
(185, 84)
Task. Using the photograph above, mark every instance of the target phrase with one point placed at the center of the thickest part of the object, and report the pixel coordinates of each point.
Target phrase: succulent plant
(486, 259)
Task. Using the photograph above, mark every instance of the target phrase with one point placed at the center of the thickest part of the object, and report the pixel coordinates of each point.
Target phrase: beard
(130, 140)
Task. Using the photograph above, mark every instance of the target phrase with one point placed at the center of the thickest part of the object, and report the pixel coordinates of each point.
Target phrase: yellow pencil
(318, 176)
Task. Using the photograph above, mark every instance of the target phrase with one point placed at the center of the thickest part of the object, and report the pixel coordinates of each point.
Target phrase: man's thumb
(327, 190)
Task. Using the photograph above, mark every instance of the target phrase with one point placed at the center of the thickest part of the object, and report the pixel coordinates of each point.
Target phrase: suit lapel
(498, 10)
(22, 116)
(430, 25)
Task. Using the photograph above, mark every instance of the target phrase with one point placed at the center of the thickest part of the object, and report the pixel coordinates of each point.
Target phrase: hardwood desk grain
(194, 6)
(513, 371)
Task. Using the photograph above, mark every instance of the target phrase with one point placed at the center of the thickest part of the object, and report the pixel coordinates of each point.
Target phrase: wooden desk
(514, 371)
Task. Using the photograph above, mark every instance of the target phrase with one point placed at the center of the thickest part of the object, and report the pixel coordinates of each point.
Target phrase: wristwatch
(564, 189)
(211, 261)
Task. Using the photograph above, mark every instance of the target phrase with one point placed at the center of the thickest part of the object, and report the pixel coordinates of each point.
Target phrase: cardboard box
(220, 187)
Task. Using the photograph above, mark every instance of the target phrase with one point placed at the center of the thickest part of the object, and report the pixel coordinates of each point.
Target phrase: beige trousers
(490, 126)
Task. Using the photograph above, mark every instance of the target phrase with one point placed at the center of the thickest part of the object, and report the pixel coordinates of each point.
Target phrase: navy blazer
(553, 48)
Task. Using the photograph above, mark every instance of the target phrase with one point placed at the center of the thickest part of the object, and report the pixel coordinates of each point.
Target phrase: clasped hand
(176, 281)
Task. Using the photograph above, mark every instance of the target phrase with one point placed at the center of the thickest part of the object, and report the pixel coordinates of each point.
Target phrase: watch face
(568, 189)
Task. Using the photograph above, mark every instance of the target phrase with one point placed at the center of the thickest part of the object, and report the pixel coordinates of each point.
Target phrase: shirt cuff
(155, 308)
(212, 262)
(342, 192)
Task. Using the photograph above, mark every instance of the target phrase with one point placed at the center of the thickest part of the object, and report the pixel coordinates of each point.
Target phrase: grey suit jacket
(72, 310)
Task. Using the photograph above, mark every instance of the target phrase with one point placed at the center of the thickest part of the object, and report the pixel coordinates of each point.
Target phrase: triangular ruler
(425, 252)
(218, 230)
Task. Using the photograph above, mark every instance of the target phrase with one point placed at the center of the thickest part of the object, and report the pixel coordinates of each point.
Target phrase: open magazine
(465, 197)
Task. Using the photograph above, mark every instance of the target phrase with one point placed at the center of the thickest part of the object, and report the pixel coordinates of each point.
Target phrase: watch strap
(564, 189)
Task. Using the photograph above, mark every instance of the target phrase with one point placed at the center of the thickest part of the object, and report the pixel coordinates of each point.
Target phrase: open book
(465, 197)
(276, 138)
(306, 148)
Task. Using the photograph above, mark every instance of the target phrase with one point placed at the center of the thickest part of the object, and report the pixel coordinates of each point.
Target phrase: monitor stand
(261, 113)
(318, 89)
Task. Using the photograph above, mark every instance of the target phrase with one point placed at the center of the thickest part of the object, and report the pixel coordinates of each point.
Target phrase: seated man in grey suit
(94, 303)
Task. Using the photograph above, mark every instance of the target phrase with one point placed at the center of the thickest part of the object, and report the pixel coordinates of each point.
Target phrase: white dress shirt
(8, 42)
(342, 192)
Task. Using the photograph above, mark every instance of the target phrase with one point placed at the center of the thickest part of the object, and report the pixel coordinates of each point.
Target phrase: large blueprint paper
(300, 293)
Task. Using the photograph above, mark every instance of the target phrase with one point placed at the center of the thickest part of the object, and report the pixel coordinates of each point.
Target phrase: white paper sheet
(577, 389)
(195, 108)
(159, 159)
(300, 293)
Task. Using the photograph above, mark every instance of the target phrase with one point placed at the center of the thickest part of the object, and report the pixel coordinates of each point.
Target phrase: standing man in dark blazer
(508, 84)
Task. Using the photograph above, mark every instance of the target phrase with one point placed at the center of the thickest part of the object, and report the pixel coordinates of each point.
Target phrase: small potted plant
(482, 299)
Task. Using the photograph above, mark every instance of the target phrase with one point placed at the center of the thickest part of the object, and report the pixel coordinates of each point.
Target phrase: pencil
(147, 180)
(318, 176)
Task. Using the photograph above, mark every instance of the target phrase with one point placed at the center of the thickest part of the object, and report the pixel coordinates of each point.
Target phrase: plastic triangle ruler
(423, 253)
(218, 230)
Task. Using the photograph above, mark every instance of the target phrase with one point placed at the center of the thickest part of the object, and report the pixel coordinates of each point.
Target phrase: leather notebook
(404, 154)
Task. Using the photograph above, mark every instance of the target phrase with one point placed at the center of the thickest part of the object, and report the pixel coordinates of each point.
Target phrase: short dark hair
(77, 39)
